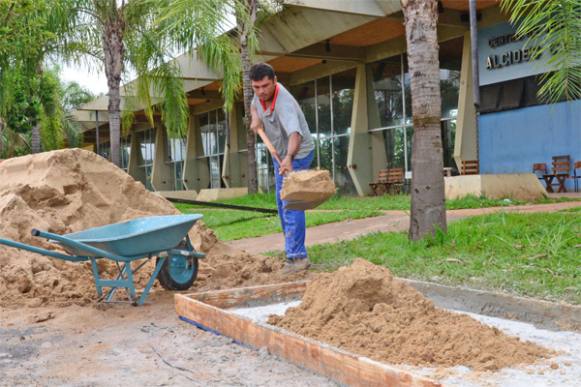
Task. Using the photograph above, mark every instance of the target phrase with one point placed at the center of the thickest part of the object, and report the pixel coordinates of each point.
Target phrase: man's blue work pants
(292, 221)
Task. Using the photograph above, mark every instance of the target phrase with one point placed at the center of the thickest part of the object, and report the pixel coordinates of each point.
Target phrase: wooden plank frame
(207, 311)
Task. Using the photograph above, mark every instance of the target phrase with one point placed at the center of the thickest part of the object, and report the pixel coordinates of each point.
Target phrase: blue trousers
(292, 221)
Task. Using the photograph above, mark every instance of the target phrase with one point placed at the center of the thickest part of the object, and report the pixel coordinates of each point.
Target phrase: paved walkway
(389, 222)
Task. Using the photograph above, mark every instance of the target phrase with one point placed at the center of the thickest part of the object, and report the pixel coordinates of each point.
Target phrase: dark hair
(261, 70)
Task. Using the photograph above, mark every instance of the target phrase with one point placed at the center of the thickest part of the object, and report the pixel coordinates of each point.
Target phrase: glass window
(323, 106)
(146, 140)
(221, 130)
(385, 93)
(448, 138)
(394, 147)
(343, 85)
(341, 173)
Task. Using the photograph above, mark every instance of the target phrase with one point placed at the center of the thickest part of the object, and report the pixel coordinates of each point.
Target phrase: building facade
(345, 63)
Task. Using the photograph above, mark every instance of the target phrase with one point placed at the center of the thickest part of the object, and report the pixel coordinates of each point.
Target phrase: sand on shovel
(71, 190)
(307, 189)
(363, 309)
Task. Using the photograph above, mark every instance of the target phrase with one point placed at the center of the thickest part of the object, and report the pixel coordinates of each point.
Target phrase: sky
(92, 79)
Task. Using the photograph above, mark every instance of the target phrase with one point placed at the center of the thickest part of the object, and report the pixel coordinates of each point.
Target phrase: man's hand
(286, 166)
(275, 156)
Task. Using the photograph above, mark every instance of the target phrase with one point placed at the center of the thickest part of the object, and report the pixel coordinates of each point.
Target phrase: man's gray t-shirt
(287, 118)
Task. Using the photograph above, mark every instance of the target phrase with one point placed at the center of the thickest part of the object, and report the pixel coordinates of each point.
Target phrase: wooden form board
(205, 310)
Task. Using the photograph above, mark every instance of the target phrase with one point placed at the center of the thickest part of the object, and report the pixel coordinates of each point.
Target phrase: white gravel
(566, 369)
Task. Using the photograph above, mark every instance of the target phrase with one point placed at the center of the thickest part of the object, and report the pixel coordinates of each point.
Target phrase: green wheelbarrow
(164, 238)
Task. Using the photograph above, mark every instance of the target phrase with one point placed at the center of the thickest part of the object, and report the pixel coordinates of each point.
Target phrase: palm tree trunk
(113, 49)
(428, 212)
(35, 138)
(1, 137)
(244, 26)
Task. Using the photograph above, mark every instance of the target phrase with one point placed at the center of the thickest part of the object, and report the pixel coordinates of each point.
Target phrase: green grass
(528, 254)
(387, 202)
(231, 224)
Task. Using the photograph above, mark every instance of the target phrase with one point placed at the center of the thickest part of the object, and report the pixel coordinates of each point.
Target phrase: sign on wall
(503, 57)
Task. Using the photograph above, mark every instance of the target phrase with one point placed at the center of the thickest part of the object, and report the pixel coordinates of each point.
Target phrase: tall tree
(143, 35)
(227, 49)
(246, 19)
(553, 27)
(30, 32)
(428, 212)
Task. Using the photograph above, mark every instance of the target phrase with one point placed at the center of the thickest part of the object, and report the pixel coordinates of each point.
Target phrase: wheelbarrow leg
(96, 277)
(113, 289)
(145, 292)
(130, 285)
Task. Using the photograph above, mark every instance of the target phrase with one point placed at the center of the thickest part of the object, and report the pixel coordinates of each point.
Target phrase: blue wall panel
(511, 141)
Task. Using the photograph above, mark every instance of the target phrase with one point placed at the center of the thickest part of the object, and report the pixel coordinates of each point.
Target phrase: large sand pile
(71, 190)
(365, 310)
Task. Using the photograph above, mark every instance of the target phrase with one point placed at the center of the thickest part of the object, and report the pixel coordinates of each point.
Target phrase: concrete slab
(522, 186)
(213, 194)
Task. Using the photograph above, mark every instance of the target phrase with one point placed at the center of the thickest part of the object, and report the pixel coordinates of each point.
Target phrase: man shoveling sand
(280, 122)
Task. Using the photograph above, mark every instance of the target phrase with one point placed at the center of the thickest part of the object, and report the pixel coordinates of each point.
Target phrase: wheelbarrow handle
(78, 245)
(38, 250)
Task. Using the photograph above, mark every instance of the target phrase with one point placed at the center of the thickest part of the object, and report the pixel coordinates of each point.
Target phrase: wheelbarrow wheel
(178, 272)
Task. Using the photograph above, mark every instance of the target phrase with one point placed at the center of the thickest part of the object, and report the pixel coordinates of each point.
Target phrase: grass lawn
(386, 202)
(528, 254)
(232, 224)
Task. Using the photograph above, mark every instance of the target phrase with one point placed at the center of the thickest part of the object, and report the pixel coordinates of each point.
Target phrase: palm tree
(553, 26)
(245, 20)
(227, 50)
(31, 31)
(143, 35)
(428, 212)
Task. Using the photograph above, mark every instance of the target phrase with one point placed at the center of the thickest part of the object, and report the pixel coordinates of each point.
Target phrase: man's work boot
(296, 265)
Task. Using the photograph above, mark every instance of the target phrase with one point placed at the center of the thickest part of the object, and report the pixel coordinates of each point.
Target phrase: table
(561, 178)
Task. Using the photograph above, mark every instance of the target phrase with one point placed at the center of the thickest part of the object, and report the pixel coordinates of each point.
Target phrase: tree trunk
(244, 26)
(428, 212)
(35, 139)
(113, 49)
(1, 137)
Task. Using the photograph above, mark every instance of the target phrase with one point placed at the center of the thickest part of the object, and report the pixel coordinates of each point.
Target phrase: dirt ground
(125, 345)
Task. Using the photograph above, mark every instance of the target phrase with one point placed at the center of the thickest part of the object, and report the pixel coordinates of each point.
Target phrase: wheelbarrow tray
(135, 238)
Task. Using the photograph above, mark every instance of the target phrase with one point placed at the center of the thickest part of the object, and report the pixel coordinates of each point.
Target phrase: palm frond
(554, 28)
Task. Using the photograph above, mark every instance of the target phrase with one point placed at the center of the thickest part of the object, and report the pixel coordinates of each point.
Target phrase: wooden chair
(395, 179)
(562, 170)
(576, 174)
(540, 169)
(469, 167)
(388, 180)
(380, 185)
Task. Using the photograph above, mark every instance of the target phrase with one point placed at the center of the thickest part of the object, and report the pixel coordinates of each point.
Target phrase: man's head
(263, 80)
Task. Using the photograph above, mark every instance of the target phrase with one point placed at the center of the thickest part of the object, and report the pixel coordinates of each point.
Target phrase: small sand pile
(362, 308)
(307, 189)
(70, 190)
(225, 267)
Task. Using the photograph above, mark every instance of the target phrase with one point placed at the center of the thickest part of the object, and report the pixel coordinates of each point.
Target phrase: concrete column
(366, 151)
(162, 177)
(196, 171)
(465, 142)
(135, 159)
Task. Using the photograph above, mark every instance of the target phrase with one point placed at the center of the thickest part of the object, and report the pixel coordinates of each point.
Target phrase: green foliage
(528, 254)
(50, 113)
(554, 26)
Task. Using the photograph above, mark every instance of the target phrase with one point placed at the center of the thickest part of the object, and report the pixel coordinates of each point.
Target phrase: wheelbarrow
(164, 238)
